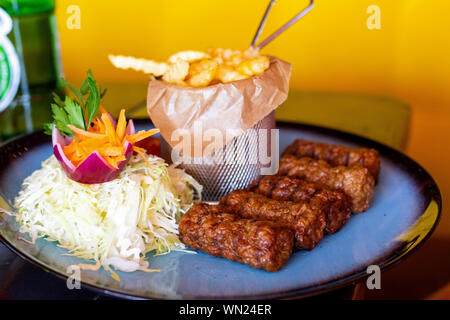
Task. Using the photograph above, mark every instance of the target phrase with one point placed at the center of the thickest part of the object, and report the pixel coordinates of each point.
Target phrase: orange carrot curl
(105, 139)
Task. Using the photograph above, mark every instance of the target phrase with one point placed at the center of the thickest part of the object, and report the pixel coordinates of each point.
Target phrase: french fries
(177, 72)
(254, 66)
(147, 66)
(227, 74)
(188, 56)
(198, 68)
(202, 73)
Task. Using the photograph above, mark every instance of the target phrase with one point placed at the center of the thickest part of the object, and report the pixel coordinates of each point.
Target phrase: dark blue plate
(405, 210)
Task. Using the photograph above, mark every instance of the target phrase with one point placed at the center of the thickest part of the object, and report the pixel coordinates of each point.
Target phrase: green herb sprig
(79, 111)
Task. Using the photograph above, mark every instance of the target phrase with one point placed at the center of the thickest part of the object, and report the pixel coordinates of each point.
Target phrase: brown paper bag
(230, 108)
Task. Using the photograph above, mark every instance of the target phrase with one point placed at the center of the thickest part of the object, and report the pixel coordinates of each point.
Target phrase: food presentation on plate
(231, 204)
(99, 195)
(106, 200)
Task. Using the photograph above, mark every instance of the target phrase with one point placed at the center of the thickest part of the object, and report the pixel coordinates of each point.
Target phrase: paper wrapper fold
(231, 108)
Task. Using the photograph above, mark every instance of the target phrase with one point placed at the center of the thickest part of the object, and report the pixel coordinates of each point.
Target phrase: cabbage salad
(111, 224)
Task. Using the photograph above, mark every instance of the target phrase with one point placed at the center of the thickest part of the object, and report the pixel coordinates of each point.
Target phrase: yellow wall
(330, 49)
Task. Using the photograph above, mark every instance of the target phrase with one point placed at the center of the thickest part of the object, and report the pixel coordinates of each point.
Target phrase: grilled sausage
(337, 155)
(335, 204)
(261, 244)
(355, 182)
(307, 221)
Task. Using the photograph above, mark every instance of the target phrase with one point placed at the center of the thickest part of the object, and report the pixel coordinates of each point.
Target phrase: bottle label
(9, 63)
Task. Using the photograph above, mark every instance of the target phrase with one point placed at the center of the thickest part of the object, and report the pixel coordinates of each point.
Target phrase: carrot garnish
(109, 129)
(112, 161)
(121, 125)
(141, 135)
(102, 110)
(98, 126)
(87, 134)
(102, 137)
(111, 151)
(140, 151)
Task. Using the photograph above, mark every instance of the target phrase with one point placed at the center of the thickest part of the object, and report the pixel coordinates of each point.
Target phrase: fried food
(227, 74)
(254, 66)
(188, 56)
(337, 155)
(261, 244)
(307, 221)
(356, 182)
(335, 204)
(198, 68)
(201, 73)
(176, 72)
(146, 66)
(231, 57)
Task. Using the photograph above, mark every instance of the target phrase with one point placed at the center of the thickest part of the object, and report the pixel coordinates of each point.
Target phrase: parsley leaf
(58, 100)
(60, 120)
(93, 100)
(74, 113)
(78, 111)
(77, 93)
(48, 128)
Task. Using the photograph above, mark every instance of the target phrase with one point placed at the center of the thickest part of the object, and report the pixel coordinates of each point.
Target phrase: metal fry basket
(234, 166)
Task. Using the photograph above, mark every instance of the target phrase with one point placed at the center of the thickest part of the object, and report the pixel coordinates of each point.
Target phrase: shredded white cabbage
(114, 223)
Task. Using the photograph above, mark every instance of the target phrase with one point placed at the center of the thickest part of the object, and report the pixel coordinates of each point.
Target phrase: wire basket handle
(280, 30)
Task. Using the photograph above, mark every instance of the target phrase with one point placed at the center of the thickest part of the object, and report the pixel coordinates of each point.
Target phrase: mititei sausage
(337, 155)
(261, 244)
(306, 220)
(356, 182)
(335, 204)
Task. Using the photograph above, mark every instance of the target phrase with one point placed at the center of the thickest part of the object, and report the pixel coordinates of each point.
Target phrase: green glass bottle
(30, 65)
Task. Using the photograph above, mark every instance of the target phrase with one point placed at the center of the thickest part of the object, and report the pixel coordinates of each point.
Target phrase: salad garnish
(92, 149)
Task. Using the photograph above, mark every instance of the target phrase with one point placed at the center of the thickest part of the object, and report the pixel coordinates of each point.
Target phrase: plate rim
(354, 277)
